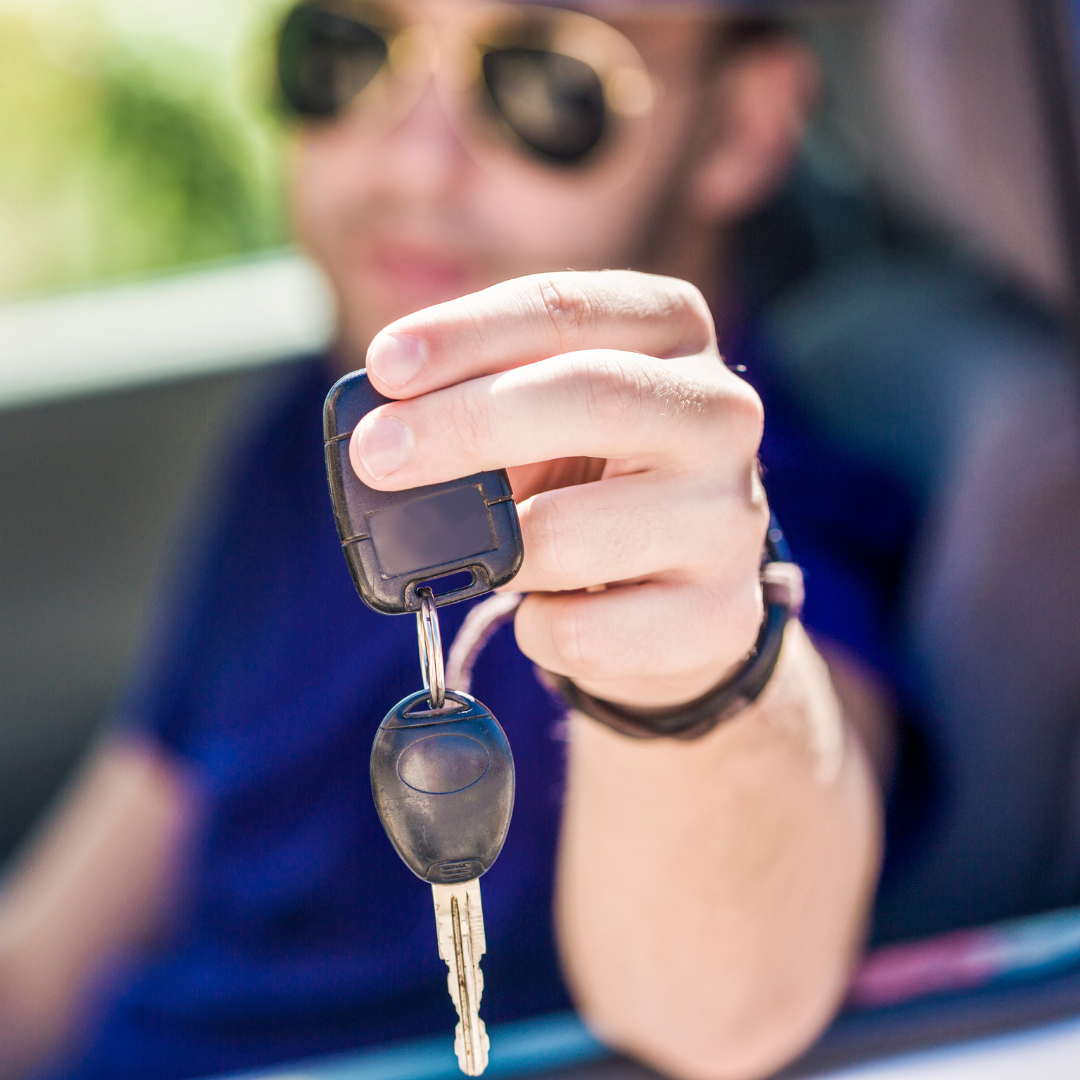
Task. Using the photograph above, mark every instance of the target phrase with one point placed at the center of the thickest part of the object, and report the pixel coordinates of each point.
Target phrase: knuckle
(748, 411)
(734, 419)
(618, 392)
(684, 305)
(568, 307)
(759, 513)
(690, 302)
(657, 299)
(747, 524)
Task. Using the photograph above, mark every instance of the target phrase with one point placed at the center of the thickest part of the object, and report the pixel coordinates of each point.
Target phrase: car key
(394, 541)
(442, 776)
(459, 921)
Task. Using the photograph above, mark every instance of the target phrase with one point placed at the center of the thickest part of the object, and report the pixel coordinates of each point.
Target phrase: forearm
(713, 893)
(94, 881)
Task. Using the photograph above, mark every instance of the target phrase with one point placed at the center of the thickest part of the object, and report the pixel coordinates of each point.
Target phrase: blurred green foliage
(121, 157)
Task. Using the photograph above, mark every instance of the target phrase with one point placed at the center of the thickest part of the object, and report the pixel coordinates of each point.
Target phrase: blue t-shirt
(301, 932)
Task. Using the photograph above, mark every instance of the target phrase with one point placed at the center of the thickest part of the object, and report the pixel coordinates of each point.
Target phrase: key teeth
(476, 930)
(460, 926)
(459, 1048)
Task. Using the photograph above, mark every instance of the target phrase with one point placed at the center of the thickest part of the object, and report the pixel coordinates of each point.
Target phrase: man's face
(404, 214)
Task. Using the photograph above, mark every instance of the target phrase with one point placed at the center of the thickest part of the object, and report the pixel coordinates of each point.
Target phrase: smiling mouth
(414, 270)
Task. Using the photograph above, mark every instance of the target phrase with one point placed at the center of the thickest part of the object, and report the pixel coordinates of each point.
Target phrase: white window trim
(220, 318)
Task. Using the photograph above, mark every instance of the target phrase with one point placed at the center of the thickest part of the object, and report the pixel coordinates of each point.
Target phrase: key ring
(431, 654)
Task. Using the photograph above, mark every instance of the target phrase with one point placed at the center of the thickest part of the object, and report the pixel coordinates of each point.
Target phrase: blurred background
(138, 143)
(911, 278)
(135, 137)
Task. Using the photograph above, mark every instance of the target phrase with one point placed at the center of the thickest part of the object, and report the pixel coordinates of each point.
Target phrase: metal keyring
(430, 641)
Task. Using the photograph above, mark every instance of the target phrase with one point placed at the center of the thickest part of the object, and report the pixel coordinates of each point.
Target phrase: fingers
(657, 637)
(599, 404)
(659, 641)
(629, 528)
(531, 318)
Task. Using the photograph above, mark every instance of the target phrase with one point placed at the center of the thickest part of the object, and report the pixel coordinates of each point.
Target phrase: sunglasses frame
(452, 54)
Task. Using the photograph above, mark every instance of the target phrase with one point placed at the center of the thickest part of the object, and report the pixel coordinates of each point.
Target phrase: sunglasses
(561, 87)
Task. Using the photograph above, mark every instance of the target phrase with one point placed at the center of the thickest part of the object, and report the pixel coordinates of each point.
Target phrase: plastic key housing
(443, 783)
(396, 541)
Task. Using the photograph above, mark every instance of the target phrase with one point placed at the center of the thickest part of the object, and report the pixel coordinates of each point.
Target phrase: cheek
(319, 170)
(559, 220)
(308, 207)
(323, 185)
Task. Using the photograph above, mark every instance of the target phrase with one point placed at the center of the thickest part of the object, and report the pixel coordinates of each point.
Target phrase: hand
(632, 451)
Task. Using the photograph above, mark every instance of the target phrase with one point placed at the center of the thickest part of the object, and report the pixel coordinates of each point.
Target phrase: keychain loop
(431, 654)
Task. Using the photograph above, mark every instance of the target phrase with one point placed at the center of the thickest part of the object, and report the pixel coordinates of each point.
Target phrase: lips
(412, 272)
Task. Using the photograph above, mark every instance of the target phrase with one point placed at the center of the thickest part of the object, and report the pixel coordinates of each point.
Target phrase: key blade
(459, 919)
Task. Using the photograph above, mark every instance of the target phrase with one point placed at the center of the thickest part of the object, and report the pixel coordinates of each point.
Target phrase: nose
(422, 154)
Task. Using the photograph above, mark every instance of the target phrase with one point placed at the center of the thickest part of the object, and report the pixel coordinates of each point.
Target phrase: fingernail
(396, 358)
(384, 445)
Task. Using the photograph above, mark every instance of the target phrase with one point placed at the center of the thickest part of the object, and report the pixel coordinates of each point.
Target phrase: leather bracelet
(782, 588)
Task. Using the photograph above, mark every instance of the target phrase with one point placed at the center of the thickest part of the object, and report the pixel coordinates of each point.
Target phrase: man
(216, 893)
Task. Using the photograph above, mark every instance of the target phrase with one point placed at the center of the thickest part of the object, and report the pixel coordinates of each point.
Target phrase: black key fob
(443, 782)
(396, 540)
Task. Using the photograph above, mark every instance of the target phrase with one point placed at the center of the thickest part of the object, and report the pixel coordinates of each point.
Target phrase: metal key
(442, 776)
(441, 769)
(459, 921)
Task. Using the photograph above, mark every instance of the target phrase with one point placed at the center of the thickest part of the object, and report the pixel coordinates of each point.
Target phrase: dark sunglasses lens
(325, 59)
(553, 103)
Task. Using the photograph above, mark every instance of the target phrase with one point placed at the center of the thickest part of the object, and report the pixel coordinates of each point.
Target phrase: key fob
(443, 782)
(396, 540)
